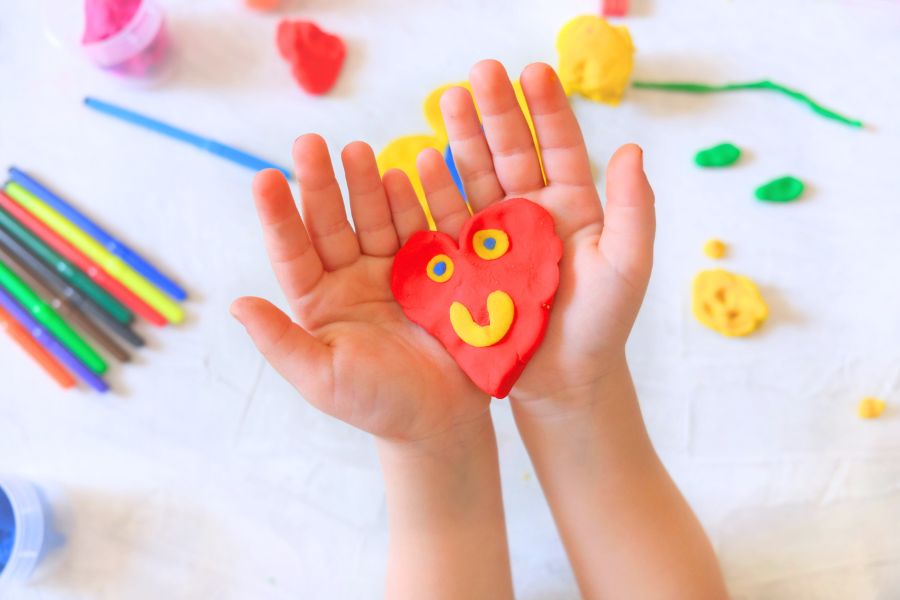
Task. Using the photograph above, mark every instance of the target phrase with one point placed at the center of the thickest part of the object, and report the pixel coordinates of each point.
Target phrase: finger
(294, 260)
(563, 151)
(406, 211)
(515, 158)
(322, 204)
(298, 356)
(447, 206)
(368, 202)
(630, 226)
(470, 148)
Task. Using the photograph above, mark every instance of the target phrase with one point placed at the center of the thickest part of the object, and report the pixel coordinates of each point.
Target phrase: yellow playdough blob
(401, 154)
(714, 248)
(727, 302)
(870, 408)
(595, 58)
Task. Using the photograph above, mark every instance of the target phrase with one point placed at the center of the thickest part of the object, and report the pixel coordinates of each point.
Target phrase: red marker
(70, 253)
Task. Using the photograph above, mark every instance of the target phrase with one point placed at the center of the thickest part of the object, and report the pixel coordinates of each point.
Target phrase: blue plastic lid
(7, 529)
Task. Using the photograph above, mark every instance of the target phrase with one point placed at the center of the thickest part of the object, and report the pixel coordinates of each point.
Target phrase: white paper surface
(206, 476)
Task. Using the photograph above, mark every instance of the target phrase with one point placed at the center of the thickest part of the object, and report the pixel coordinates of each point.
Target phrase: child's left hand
(352, 353)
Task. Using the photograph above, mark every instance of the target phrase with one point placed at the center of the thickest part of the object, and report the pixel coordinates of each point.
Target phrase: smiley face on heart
(487, 298)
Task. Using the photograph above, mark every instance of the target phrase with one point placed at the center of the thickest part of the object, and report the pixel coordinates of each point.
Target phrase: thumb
(298, 356)
(630, 219)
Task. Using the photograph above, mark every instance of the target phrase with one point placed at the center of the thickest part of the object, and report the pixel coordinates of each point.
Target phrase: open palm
(605, 265)
(352, 353)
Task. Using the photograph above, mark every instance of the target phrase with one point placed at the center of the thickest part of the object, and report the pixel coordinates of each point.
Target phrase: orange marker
(35, 350)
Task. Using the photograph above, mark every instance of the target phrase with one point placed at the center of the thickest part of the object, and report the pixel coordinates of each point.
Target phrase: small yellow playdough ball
(595, 58)
(728, 303)
(714, 248)
(870, 408)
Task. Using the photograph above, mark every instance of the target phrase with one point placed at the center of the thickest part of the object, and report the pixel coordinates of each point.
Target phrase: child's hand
(352, 353)
(606, 263)
(619, 514)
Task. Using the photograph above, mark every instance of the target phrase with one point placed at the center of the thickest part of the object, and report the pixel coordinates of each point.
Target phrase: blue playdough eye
(490, 244)
(440, 268)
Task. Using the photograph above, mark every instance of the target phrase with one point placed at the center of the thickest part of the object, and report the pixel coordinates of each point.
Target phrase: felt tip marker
(39, 277)
(42, 336)
(110, 263)
(18, 334)
(48, 318)
(114, 245)
(71, 254)
(72, 274)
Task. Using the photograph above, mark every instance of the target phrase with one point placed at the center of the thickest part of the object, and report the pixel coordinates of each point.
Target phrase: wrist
(577, 398)
(457, 442)
(445, 515)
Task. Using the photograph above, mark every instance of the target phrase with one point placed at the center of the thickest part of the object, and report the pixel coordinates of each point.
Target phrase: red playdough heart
(316, 56)
(487, 298)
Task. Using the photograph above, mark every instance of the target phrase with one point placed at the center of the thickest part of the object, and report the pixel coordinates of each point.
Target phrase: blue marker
(213, 147)
(98, 233)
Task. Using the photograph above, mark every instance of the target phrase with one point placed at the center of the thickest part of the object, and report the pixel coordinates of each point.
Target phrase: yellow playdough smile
(501, 312)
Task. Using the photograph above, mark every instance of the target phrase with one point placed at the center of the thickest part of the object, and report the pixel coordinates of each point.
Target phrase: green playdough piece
(722, 155)
(783, 189)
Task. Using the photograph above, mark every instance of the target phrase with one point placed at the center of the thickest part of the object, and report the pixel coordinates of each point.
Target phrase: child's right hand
(352, 353)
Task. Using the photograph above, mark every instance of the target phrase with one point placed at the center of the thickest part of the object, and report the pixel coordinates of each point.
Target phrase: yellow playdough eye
(440, 268)
(490, 243)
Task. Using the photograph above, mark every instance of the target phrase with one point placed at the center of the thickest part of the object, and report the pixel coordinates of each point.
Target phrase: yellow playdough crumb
(727, 302)
(595, 58)
(714, 248)
(870, 408)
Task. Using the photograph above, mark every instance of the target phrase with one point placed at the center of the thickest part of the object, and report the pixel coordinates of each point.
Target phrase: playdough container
(26, 531)
(138, 48)
(123, 37)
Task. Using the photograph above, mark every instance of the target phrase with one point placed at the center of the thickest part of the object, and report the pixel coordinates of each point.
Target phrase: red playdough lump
(614, 8)
(316, 56)
(518, 255)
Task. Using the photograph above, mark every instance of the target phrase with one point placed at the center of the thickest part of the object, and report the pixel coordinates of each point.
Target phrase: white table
(206, 476)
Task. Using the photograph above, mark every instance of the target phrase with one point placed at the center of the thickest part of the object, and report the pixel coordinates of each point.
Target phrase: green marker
(72, 274)
(47, 317)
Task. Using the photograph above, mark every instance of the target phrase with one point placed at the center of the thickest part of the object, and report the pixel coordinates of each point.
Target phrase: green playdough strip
(721, 155)
(703, 88)
(783, 189)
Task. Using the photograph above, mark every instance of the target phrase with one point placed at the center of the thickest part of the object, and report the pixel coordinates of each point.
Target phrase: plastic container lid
(22, 530)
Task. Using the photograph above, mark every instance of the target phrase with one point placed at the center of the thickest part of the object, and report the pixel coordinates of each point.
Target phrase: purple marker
(50, 343)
